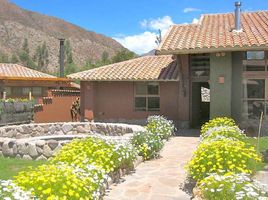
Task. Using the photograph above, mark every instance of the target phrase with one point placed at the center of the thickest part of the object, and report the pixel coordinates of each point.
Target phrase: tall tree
(4, 58)
(122, 56)
(41, 57)
(24, 55)
(14, 58)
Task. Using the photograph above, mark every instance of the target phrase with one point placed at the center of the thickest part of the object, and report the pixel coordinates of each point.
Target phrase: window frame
(146, 96)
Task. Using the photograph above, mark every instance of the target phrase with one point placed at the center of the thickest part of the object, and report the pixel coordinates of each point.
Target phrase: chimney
(237, 16)
(61, 57)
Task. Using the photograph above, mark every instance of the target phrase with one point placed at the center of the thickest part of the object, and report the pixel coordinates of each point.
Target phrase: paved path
(158, 179)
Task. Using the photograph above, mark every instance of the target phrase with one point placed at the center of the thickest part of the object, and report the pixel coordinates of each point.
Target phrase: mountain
(150, 53)
(16, 24)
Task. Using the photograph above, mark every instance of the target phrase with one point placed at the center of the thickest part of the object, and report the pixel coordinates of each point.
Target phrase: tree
(41, 57)
(122, 56)
(105, 58)
(158, 39)
(24, 55)
(4, 58)
(14, 58)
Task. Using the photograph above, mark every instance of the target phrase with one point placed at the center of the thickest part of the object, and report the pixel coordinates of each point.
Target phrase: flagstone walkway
(158, 179)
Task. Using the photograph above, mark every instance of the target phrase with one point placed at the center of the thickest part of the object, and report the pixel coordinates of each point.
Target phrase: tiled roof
(17, 71)
(147, 68)
(215, 32)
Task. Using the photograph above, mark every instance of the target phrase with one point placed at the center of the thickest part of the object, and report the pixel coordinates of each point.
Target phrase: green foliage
(24, 55)
(14, 59)
(224, 132)
(147, 144)
(41, 57)
(104, 155)
(4, 58)
(61, 181)
(122, 56)
(160, 126)
(219, 121)
(222, 156)
(231, 186)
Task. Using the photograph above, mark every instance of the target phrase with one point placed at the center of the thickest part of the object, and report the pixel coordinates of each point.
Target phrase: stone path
(158, 179)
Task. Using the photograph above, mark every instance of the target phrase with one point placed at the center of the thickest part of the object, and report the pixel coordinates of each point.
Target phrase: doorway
(200, 103)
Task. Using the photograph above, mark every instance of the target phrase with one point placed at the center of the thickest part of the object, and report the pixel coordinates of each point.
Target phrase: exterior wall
(114, 101)
(220, 93)
(237, 69)
(57, 108)
(184, 91)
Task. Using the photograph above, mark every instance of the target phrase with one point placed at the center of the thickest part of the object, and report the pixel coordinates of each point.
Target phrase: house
(17, 81)
(225, 53)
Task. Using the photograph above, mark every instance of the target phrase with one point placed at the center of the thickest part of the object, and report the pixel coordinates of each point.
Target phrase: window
(147, 96)
(25, 91)
(200, 65)
(8, 91)
(255, 55)
(255, 98)
(37, 91)
(255, 61)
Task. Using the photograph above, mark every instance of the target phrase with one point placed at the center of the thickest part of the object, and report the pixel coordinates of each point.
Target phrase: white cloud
(140, 43)
(145, 42)
(187, 10)
(195, 21)
(156, 24)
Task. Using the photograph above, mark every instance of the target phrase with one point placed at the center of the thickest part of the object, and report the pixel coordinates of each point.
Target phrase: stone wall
(42, 141)
(70, 128)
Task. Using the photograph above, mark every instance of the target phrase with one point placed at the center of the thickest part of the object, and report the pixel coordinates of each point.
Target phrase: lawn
(10, 167)
(263, 145)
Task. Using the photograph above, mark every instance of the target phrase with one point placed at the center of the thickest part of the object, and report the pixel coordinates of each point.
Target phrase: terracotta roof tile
(215, 32)
(151, 68)
(18, 71)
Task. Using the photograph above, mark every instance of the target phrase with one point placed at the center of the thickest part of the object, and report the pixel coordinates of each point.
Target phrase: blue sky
(134, 23)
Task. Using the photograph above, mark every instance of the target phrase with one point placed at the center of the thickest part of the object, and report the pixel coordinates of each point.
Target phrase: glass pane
(37, 91)
(254, 88)
(255, 55)
(141, 88)
(17, 91)
(153, 103)
(153, 88)
(252, 109)
(7, 90)
(140, 103)
(26, 90)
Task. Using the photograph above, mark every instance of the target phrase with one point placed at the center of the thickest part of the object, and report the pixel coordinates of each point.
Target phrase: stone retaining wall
(42, 141)
(70, 128)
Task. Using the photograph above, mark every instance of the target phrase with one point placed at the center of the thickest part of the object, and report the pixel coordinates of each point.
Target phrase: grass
(263, 145)
(10, 167)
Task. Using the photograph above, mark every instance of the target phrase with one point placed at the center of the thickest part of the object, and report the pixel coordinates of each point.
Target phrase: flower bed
(223, 163)
(82, 169)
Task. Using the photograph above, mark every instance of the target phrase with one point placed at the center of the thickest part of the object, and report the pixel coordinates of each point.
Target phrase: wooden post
(30, 95)
(4, 95)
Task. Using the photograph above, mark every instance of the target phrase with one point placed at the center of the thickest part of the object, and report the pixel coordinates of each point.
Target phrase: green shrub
(147, 144)
(232, 132)
(216, 122)
(97, 152)
(231, 186)
(222, 156)
(161, 126)
(62, 182)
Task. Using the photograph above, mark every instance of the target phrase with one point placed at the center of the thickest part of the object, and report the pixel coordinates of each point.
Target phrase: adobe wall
(114, 102)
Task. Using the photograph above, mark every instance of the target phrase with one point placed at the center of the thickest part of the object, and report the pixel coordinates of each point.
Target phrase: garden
(83, 168)
(225, 161)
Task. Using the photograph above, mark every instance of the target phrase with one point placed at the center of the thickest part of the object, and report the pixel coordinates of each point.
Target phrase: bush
(147, 144)
(231, 132)
(161, 126)
(61, 181)
(95, 151)
(221, 156)
(219, 121)
(231, 186)
(10, 191)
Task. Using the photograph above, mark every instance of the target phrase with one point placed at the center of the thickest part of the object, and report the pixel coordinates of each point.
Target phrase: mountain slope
(16, 24)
